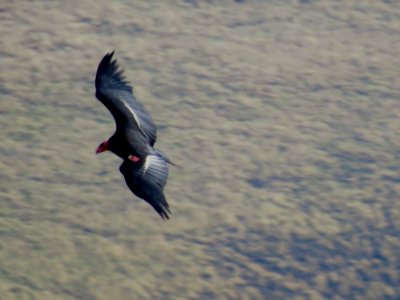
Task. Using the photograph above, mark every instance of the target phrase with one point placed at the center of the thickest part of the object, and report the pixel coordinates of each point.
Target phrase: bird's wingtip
(109, 74)
(162, 207)
(107, 58)
(165, 214)
(111, 53)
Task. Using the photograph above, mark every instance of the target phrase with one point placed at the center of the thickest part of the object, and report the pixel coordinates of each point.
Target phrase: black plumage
(147, 181)
(144, 168)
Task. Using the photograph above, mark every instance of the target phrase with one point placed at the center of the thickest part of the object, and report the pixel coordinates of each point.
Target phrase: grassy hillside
(283, 114)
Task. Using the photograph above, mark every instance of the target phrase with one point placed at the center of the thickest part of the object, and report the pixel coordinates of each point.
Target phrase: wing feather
(148, 180)
(116, 94)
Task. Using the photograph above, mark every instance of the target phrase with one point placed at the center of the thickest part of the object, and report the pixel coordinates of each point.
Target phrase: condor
(144, 168)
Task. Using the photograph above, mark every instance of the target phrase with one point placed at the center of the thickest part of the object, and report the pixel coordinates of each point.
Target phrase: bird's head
(104, 146)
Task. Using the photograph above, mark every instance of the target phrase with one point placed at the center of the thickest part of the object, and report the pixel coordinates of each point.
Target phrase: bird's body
(129, 143)
(144, 168)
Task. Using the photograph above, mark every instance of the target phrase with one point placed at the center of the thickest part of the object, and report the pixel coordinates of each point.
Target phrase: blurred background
(284, 116)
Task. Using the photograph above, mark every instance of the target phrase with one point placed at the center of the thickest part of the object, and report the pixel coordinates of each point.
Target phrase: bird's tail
(164, 157)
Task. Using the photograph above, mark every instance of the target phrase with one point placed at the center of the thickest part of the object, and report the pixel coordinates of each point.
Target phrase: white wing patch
(133, 114)
(147, 162)
(154, 163)
(155, 168)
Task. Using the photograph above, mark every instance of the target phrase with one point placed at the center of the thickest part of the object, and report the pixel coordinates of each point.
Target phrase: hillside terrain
(284, 116)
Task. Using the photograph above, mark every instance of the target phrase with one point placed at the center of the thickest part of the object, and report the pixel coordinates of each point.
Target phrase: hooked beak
(102, 147)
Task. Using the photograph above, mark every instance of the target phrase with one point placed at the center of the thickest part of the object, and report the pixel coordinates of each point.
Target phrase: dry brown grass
(283, 114)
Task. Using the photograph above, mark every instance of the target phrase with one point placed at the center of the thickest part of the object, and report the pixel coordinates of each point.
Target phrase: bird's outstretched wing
(116, 94)
(147, 180)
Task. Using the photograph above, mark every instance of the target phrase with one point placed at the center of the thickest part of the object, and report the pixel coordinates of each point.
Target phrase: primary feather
(117, 95)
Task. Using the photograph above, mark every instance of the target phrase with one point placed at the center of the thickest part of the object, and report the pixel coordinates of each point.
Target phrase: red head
(102, 147)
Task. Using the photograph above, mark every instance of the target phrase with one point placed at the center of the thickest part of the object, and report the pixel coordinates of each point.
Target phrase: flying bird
(144, 168)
